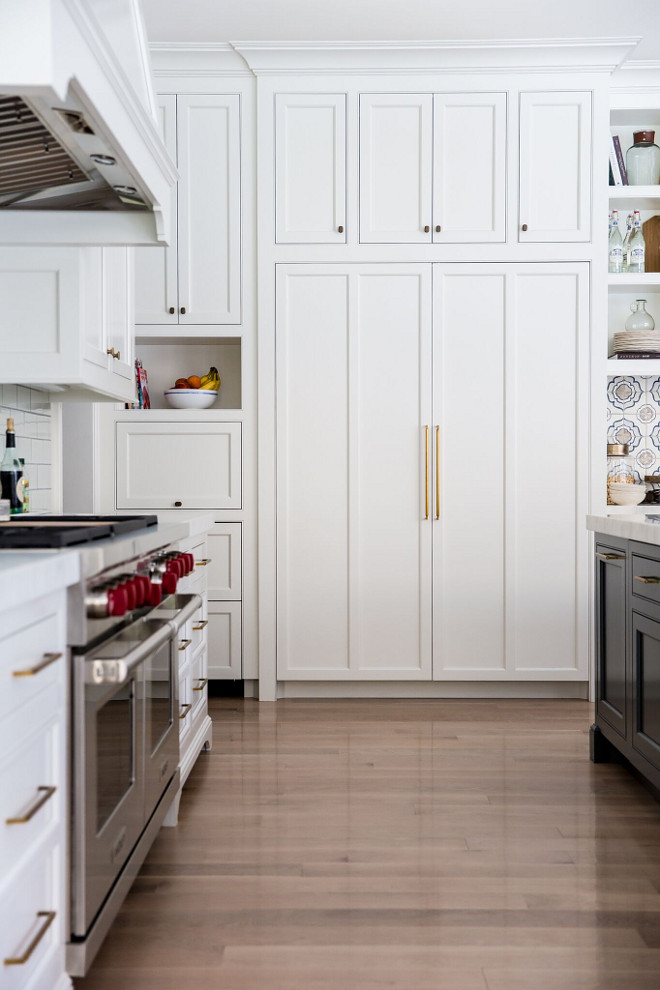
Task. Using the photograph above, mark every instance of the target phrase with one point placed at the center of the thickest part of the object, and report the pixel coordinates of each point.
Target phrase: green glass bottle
(11, 472)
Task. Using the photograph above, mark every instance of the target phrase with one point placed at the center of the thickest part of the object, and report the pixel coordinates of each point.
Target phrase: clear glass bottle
(639, 320)
(643, 160)
(618, 469)
(615, 249)
(637, 247)
(10, 472)
(626, 240)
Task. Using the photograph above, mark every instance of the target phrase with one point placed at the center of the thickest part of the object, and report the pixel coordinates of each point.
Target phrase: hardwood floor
(408, 845)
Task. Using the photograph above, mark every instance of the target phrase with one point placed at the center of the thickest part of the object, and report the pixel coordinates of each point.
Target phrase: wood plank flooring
(406, 845)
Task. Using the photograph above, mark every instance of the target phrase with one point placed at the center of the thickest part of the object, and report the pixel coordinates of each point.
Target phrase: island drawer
(645, 578)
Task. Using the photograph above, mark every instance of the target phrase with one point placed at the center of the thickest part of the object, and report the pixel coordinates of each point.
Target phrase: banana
(212, 383)
(211, 376)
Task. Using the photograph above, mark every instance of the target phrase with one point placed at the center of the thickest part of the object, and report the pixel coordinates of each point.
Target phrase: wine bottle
(11, 473)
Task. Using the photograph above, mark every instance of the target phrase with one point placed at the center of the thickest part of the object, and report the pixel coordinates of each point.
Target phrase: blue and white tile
(625, 430)
(647, 460)
(625, 393)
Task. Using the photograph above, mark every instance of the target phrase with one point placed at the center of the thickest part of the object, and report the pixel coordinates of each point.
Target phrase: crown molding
(196, 58)
(516, 55)
(640, 76)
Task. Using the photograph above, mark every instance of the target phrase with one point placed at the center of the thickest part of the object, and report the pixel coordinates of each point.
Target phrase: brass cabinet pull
(610, 556)
(172, 310)
(183, 310)
(426, 473)
(204, 562)
(111, 351)
(438, 228)
(184, 643)
(118, 356)
(203, 624)
(203, 681)
(46, 794)
(20, 960)
(646, 580)
(187, 706)
(340, 229)
(524, 227)
(437, 472)
(426, 229)
(46, 662)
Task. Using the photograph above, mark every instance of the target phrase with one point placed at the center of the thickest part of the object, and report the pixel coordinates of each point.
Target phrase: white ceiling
(401, 20)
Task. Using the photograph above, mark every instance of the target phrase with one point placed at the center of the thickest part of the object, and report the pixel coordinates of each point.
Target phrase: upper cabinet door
(209, 209)
(555, 167)
(469, 167)
(310, 169)
(395, 168)
(155, 267)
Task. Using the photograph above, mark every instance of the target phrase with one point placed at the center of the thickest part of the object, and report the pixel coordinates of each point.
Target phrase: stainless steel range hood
(81, 159)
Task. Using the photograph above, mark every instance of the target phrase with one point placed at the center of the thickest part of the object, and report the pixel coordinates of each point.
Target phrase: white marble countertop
(29, 574)
(197, 521)
(633, 526)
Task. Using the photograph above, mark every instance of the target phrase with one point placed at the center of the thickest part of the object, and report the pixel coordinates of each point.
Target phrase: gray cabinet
(611, 680)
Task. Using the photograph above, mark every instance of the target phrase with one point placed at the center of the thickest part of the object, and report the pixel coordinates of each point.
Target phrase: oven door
(111, 685)
(161, 726)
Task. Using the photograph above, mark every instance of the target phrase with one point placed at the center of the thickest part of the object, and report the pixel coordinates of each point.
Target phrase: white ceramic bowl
(191, 398)
(627, 498)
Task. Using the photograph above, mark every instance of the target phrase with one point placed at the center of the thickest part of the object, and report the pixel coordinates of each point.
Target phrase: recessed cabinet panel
(225, 641)
(469, 136)
(209, 209)
(310, 168)
(178, 465)
(223, 571)
(611, 686)
(396, 134)
(646, 687)
(555, 167)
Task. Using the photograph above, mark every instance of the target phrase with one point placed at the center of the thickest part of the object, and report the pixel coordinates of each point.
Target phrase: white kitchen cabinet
(33, 794)
(68, 321)
(178, 463)
(432, 168)
(413, 518)
(224, 569)
(310, 168)
(555, 167)
(353, 346)
(225, 641)
(197, 279)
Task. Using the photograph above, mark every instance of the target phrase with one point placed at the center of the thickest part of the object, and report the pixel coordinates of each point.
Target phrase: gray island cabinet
(627, 592)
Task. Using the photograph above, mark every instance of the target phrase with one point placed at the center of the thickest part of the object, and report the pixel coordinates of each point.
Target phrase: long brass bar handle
(646, 580)
(31, 671)
(203, 563)
(184, 643)
(202, 625)
(426, 474)
(203, 681)
(610, 556)
(187, 706)
(20, 960)
(46, 794)
(437, 472)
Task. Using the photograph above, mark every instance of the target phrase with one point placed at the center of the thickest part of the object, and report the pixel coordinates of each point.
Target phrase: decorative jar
(643, 160)
(640, 320)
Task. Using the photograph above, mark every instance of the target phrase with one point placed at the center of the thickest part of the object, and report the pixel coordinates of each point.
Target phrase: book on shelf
(620, 163)
(633, 355)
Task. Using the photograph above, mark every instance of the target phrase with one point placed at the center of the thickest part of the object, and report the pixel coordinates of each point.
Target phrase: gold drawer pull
(187, 706)
(46, 662)
(183, 643)
(203, 624)
(46, 794)
(646, 580)
(203, 681)
(610, 556)
(19, 960)
(204, 562)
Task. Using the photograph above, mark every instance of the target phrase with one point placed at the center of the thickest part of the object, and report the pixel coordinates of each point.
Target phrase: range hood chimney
(81, 158)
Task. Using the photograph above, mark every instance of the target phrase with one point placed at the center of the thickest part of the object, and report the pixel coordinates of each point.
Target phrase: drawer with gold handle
(44, 795)
(48, 658)
(49, 917)
(185, 709)
(202, 624)
(203, 681)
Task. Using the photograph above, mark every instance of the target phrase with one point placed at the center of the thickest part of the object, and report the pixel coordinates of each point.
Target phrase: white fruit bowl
(627, 498)
(191, 398)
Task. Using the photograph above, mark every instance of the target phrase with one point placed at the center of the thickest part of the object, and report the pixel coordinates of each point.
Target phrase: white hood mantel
(79, 70)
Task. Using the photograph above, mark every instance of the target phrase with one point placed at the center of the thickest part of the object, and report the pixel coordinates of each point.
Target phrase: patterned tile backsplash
(32, 421)
(633, 417)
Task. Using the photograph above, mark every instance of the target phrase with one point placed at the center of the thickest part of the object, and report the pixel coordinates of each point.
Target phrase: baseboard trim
(446, 689)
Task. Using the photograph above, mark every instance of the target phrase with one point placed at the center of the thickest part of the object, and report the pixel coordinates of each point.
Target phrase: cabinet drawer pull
(646, 580)
(203, 681)
(20, 960)
(427, 229)
(204, 562)
(46, 662)
(340, 229)
(184, 643)
(185, 709)
(111, 351)
(438, 228)
(524, 227)
(610, 556)
(177, 505)
(183, 310)
(172, 310)
(46, 794)
(203, 624)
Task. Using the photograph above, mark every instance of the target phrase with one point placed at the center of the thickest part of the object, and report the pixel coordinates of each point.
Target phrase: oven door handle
(108, 670)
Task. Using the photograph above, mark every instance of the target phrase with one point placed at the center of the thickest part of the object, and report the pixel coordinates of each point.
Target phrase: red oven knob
(169, 582)
(174, 566)
(190, 560)
(144, 584)
(138, 589)
(155, 595)
(117, 601)
(131, 593)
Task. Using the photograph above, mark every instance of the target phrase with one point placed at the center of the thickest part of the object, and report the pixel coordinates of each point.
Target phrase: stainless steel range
(123, 618)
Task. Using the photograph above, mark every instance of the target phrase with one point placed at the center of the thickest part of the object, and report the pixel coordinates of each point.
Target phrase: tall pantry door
(353, 380)
(510, 549)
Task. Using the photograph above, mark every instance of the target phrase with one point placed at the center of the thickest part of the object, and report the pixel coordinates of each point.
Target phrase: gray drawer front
(645, 578)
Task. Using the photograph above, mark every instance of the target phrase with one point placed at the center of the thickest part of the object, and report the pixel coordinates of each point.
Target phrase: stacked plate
(637, 340)
(626, 494)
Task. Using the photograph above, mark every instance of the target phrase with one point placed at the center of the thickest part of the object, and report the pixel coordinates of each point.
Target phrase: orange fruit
(194, 381)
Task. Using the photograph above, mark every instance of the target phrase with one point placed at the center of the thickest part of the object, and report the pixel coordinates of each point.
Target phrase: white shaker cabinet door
(225, 645)
(208, 138)
(353, 406)
(555, 167)
(396, 137)
(310, 168)
(156, 296)
(469, 169)
(169, 464)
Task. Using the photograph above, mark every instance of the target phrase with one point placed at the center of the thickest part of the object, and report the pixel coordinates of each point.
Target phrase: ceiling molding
(516, 55)
(196, 58)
